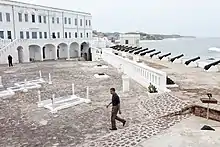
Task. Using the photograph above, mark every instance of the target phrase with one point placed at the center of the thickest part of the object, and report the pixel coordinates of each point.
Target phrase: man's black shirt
(115, 99)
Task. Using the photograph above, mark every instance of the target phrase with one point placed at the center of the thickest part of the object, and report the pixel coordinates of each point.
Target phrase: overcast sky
(186, 17)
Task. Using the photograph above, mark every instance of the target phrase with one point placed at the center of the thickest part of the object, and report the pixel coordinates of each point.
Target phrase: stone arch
(74, 50)
(35, 53)
(49, 52)
(84, 48)
(62, 50)
(20, 50)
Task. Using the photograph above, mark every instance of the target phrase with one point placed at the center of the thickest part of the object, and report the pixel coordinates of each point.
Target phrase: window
(40, 35)
(65, 34)
(8, 17)
(75, 34)
(9, 34)
(53, 35)
(40, 19)
(69, 20)
(126, 41)
(33, 18)
(34, 35)
(65, 20)
(0, 16)
(81, 22)
(76, 22)
(27, 35)
(89, 22)
(45, 35)
(81, 35)
(21, 35)
(87, 35)
(58, 34)
(86, 22)
(45, 19)
(26, 17)
(58, 20)
(2, 34)
(19, 17)
(53, 20)
(69, 34)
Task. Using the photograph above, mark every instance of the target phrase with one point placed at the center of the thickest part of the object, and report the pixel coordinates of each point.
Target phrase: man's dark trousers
(114, 116)
(10, 63)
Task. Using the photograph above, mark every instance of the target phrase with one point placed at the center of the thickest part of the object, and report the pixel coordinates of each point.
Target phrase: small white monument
(125, 83)
(25, 86)
(1, 85)
(50, 80)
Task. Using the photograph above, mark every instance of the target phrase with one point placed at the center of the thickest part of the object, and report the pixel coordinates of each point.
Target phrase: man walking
(115, 109)
(10, 61)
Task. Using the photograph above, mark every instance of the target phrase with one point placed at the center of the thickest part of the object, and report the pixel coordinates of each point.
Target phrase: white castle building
(36, 33)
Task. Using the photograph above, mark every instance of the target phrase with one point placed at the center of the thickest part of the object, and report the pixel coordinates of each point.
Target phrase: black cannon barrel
(128, 49)
(211, 64)
(138, 51)
(192, 60)
(165, 55)
(177, 57)
(155, 54)
(146, 52)
(134, 49)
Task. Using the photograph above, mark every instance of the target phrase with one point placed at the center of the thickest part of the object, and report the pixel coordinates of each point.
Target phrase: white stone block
(6, 93)
(126, 83)
(101, 76)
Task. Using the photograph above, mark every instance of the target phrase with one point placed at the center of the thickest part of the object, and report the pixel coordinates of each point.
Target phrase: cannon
(146, 52)
(177, 57)
(165, 55)
(211, 64)
(134, 49)
(192, 60)
(128, 49)
(138, 51)
(155, 54)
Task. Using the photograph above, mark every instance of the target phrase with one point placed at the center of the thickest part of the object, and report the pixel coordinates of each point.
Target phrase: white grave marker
(25, 86)
(73, 89)
(50, 80)
(1, 85)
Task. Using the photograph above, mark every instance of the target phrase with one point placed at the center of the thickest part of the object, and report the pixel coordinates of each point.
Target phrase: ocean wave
(214, 49)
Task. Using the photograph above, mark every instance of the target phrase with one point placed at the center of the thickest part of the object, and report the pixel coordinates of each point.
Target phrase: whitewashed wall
(139, 72)
(133, 39)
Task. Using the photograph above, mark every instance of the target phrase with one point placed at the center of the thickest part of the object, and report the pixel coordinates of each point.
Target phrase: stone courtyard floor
(23, 124)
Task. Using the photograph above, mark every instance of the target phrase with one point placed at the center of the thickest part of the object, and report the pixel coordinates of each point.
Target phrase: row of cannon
(143, 51)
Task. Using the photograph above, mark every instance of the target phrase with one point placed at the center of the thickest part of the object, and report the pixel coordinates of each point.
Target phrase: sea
(207, 48)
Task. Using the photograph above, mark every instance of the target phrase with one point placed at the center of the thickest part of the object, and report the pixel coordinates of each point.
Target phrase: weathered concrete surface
(187, 133)
(22, 123)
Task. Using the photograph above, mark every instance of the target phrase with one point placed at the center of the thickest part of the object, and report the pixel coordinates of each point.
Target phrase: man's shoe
(124, 123)
(113, 129)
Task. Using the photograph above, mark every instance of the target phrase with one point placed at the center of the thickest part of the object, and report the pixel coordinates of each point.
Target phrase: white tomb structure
(102, 75)
(130, 39)
(6, 93)
(55, 104)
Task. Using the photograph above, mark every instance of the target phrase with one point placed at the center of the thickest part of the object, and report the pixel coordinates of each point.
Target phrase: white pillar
(40, 74)
(50, 80)
(55, 53)
(25, 86)
(125, 83)
(39, 96)
(68, 53)
(1, 85)
(87, 92)
(52, 99)
(73, 89)
(41, 54)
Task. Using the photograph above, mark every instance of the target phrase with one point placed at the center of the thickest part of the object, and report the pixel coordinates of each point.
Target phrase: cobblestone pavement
(133, 135)
(23, 124)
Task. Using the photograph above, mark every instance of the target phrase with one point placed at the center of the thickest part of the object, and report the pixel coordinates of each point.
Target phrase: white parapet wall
(139, 72)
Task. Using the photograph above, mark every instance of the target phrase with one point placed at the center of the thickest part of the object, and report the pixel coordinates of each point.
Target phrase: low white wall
(139, 72)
